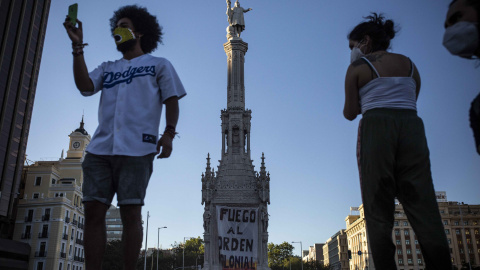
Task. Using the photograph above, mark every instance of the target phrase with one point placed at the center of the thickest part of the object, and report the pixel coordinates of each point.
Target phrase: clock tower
(79, 139)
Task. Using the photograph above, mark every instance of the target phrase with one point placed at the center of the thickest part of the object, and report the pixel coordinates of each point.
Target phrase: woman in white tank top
(393, 155)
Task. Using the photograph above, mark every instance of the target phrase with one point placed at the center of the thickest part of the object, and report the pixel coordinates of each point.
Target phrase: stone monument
(235, 185)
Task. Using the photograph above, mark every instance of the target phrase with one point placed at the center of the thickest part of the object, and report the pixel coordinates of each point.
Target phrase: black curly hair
(143, 22)
(379, 30)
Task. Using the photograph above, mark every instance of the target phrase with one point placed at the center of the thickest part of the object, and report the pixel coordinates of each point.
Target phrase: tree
(278, 255)
(113, 258)
(194, 252)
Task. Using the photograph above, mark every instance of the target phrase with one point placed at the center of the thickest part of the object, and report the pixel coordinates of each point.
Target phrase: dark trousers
(394, 162)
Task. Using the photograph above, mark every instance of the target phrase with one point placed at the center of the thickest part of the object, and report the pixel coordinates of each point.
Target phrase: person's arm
(352, 103)
(80, 71)
(171, 116)
(475, 121)
(416, 77)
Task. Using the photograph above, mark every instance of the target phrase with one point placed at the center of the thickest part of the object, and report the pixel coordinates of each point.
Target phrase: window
(60, 266)
(445, 222)
(457, 231)
(467, 231)
(397, 232)
(398, 242)
(449, 241)
(400, 261)
(38, 181)
(70, 250)
(73, 233)
(395, 223)
(418, 251)
(419, 261)
(476, 231)
(409, 251)
(39, 266)
(410, 261)
(36, 195)
(399, 251)
(447, 231)
(416, 242)
(456, 223)
(54, 181)
(405, 223)
(475, 222)
(461, 250)
(407, 232)
(465, 223)
(459, 242)
(407, 242)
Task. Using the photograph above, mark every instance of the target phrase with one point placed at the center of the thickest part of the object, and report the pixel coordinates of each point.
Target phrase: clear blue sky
(294, 77)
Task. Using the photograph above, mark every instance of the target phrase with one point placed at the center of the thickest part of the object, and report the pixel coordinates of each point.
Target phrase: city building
(461, 223)
(315, 253)
(22, 32)
(358, 245)
(50, 216)
(335, 251)
(114, 225)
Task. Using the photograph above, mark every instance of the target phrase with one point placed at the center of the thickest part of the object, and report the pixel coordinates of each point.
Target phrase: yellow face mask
(122, 34)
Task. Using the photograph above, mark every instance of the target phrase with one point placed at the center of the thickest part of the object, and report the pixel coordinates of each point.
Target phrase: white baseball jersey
(133, 92)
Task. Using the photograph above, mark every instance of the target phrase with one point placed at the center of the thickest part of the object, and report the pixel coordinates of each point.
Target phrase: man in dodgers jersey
(120, 156)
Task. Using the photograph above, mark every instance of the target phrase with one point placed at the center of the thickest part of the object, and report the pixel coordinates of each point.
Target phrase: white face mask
(356, 54)
(461, 39)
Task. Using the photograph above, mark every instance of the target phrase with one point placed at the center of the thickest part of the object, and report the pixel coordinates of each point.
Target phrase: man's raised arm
(80, 71)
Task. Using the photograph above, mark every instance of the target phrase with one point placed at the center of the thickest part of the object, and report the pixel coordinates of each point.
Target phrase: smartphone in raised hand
(72, 13)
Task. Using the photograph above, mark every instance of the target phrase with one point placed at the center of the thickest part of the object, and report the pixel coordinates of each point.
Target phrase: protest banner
(237, 237)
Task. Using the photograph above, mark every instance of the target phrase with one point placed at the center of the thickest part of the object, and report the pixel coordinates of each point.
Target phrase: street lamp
(301, 251)
(158, 242)
(183, 260)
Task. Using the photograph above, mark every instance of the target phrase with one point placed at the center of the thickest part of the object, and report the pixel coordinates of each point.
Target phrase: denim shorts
(126, 176)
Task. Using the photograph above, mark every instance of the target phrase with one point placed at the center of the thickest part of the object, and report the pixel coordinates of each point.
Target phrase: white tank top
(389, 92)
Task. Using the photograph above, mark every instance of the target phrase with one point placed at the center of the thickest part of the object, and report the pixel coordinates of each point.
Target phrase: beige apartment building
(50, 216)
(315, 253)
(461, 222)
(335, 251)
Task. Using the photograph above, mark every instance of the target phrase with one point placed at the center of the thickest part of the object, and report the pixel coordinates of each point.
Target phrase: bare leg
(132, 235)
(95, 234)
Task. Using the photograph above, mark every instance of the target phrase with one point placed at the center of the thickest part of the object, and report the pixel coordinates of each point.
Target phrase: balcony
(65, 236)
(67, 220)
(76, 258)
(28, 219)
(45, 217)
(63, 255)
(80, 225)
(42, 253)
(74, 222)
(26, 236)
(43, 235)
(79, 241)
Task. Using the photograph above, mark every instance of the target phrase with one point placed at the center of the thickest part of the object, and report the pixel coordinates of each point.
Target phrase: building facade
(335, 251)
(358, 246)
(113, 221)
(50, 216)
(22, 33)
(315, 253)
(461, 223)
